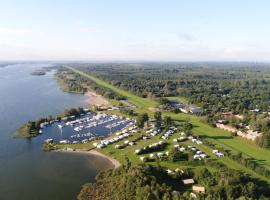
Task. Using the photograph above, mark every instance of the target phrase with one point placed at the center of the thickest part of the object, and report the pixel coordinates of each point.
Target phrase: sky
(142, 30)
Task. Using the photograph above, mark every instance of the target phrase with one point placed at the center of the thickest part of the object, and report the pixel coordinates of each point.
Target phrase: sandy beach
(112, 160)
(115, 162)
(96, 100)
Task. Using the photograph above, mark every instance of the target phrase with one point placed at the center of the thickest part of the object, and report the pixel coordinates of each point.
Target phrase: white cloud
(111, 48)
(4, 31)
(195, 51)
(88, 30)
(14, 36)
(186, 36)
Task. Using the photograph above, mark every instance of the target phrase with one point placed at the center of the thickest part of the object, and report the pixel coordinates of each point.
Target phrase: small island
(41, 72)
(38, 73)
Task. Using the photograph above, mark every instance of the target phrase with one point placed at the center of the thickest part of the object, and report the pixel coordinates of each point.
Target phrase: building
(192, 195)
(195, 110)
(188, 181)
(184, 110)
(220, 155)
(176, 104)
(227, 114)
(143, 159)
(255, 110)
(226, 127)
(239, 116)
(250, 135)
(184, 107)
(198, 189)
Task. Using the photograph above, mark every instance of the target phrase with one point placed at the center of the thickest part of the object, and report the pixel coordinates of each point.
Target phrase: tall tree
(168, 121)
(141, 119)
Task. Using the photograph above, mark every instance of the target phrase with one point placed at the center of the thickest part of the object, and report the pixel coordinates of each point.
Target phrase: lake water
(87, 127)
(26, 172)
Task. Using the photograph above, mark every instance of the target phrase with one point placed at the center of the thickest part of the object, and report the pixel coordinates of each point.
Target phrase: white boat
(63, 141)
(84, 140)
(77, 129)
(49, 140)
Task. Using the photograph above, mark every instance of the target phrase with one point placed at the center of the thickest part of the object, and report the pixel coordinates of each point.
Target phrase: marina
(84, 128)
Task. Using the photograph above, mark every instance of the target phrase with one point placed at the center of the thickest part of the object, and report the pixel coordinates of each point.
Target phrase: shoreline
(95, 99)
(113, 161)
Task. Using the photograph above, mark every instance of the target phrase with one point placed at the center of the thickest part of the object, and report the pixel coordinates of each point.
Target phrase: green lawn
(128, 151)
(180, 99)
(218, 136)
(224, 138)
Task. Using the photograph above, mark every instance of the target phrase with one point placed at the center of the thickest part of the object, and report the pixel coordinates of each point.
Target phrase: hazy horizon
(141, 31)
(128, 61)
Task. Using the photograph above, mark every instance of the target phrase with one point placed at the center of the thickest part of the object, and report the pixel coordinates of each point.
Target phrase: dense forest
(240, 88)
(215, 86)
(148, 182)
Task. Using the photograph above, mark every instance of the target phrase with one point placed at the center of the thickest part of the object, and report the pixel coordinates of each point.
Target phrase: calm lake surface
(26, 172)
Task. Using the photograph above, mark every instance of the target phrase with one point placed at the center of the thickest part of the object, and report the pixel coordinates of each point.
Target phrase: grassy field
(128, 151)
(224, 138)
(218, 136)
(180, 99)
